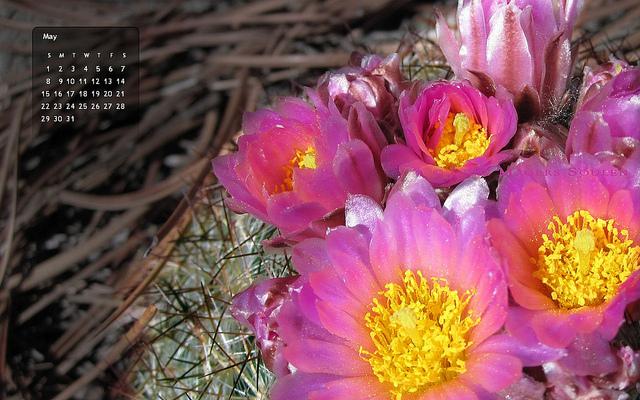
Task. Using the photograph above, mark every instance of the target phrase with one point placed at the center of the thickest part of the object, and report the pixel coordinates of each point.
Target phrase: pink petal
(298, 386)
(317, 356)
(523, 344)
(310, 256)
(590, 354)
(416, 239)
(349, 254)
(290, 214)
(508, 56)
(526, 290)
(342, 324)
(329, 287)
(621, 210)
(492, 371)
(355, 170)
(293, 325)
(259, 121)
(244, 201)
(394, 156)
(297, 109)
(558, 329)
(588, 133)
(453, 390)
(471, 23)
(557, 63)
(363, 126)
(538, 208)
(357, 388)
(448, 44)
(613, 317)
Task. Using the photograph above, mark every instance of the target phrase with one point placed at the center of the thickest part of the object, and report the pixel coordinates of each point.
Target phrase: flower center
(462, 140)
(302, 159)
(419, 330)
(585, 259)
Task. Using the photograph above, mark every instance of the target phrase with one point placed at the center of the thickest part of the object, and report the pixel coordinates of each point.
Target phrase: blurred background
(118, 258)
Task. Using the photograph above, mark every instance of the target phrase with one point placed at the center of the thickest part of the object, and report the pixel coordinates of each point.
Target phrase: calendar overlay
(80, 71)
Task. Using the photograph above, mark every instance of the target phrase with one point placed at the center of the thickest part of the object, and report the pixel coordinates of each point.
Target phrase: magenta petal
(224, 169)
(318, 356)
(288, 212)
(521, 341)
(293, 324)
(613, 317)
(329, 286)
(355, 170)
(349, 254)
(310, 256)
(453, 390)
(415, 239)
(590, 354)
(621, 210)
(356, 388)
(363, 126)
(259, 121)
(558, 329)
(298, 386)
(297, 109)
(492, 371)
(344, 325)
(395, 155)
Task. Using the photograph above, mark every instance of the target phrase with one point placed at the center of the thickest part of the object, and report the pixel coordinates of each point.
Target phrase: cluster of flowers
(448, 234)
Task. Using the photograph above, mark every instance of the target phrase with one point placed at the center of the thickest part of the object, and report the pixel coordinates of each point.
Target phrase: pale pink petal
(471, 23)
(507, 48)
(448, 44)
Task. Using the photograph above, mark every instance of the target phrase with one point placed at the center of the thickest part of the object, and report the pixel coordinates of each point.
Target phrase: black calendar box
(82, 71)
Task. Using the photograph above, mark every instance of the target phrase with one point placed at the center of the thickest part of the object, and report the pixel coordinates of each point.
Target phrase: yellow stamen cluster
(584, 260)
(420, 331)
(462, 140)
(302, 159)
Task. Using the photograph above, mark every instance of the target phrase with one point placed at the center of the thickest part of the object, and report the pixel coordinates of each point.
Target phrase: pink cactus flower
(569, 235)
(606, 122)
(516, 48)
(406, 303)
(296, 164)
(452, 132)
(371, 80)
